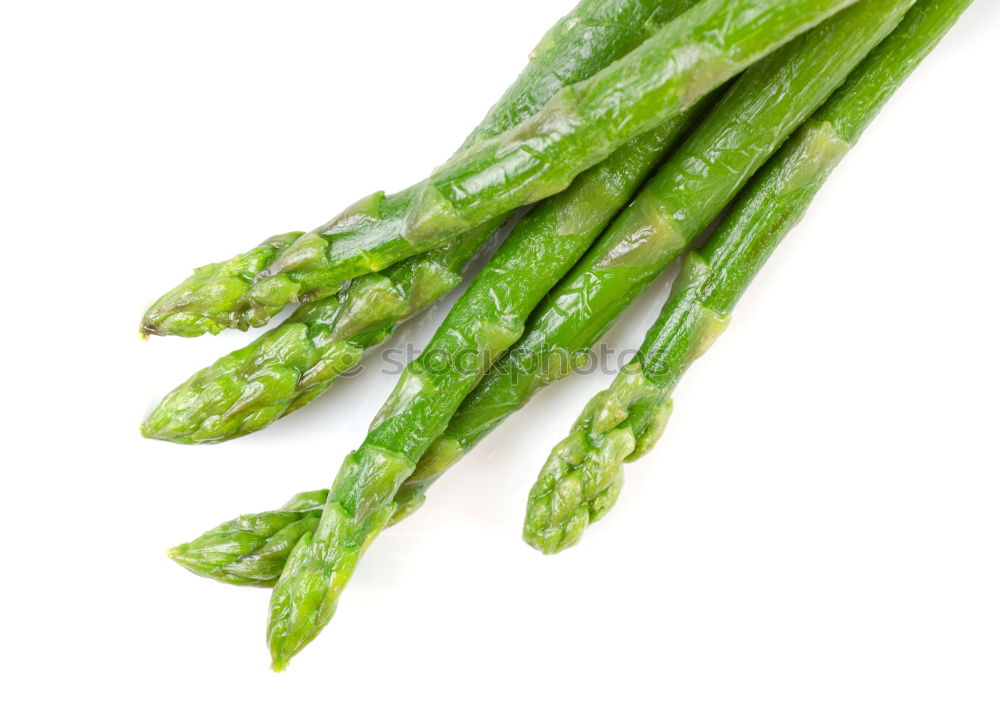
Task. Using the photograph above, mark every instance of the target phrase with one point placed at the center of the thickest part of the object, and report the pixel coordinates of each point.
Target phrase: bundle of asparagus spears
(635, 126)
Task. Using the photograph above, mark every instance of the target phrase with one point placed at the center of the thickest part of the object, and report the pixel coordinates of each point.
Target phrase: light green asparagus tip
(571, 491)
(305, 598)
(205, 302)
(583, 475)
(251, 550)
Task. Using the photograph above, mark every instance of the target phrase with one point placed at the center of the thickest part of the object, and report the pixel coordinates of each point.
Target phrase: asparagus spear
(252, 549)
(290, 366)
(577, 128)
(592, 35)
(582, 476)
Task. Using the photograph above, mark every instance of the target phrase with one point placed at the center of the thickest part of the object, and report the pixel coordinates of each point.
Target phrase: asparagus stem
(591, 36)
(576, 128)
(584, 473)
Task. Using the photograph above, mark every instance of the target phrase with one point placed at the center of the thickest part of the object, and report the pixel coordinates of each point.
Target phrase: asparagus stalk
(252, 549)
(577, 128)
(485, 321)
(582, 476)
(590, 37)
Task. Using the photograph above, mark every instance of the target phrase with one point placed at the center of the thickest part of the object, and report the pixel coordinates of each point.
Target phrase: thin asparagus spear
(577, 128)
(583, 475)
(592, 35)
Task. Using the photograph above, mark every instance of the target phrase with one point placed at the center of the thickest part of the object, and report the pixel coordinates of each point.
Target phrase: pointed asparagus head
(204, 303)
(251, 550)
(584, 473)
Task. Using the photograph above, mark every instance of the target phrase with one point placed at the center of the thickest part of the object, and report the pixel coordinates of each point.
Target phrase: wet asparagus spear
(583, 475)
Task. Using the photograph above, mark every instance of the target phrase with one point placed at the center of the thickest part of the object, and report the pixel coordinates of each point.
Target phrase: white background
(815, 541)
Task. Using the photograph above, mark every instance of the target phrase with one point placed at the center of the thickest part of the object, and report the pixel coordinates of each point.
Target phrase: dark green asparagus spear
(577, 128)
(582, 477)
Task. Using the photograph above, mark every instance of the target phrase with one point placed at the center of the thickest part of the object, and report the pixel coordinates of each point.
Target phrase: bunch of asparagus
(634, 127)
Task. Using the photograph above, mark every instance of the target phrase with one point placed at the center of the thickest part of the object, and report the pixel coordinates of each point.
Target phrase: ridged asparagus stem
(252, 549)
(754, 117)
(593, 35)
(577, 128)
(584, 473)
(485, 321)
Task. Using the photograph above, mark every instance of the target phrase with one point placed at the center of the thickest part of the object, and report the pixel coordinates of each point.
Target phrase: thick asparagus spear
(252, 549)
(581, 478)
(577, 128)
(591, 36)
(484, 322)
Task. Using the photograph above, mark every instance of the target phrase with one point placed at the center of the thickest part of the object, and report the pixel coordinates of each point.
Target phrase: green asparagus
(485, 321)
(578, 127)
(252, 549)
(581, 478)
(593, 35)
(751, 121)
